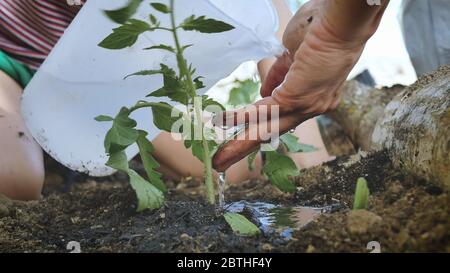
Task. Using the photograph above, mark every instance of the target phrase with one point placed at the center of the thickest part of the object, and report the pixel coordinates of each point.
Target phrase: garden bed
(405, 214)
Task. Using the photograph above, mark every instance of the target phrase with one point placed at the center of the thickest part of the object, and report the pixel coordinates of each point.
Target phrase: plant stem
(185, 72)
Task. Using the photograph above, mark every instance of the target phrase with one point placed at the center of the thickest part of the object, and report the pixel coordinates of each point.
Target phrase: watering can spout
(80, 81)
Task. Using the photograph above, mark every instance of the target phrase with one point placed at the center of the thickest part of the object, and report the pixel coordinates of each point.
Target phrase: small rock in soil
(394, 192)
(361, 221)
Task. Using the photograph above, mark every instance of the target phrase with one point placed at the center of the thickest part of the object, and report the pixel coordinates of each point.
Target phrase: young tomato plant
(181, 87)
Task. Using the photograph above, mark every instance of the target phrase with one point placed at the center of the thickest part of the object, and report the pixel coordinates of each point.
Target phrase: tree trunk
(412, 123)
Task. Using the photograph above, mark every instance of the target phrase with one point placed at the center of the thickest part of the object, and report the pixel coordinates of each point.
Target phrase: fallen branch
(412, 123)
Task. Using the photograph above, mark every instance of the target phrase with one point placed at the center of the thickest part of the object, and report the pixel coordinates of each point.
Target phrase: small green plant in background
(243, 93)
(362, 194)
(181, 86)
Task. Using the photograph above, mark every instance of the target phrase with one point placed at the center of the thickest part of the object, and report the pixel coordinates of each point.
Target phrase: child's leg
(309, 133)
(21, 158)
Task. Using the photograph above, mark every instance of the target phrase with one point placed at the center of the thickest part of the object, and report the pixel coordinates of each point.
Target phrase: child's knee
(21, 159)
(22, 181)
(22, 172)
(21, 164)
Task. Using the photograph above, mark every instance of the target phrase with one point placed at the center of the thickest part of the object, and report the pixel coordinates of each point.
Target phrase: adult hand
(324, 40)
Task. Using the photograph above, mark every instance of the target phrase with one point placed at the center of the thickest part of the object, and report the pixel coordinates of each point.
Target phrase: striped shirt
(29, 29)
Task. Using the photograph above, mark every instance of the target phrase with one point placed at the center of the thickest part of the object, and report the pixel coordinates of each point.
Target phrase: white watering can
(80, 80)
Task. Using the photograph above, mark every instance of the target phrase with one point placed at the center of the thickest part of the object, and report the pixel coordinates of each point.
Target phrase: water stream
(221, 191)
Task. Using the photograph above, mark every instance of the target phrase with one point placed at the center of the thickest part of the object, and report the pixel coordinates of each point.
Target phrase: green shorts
(17, 71)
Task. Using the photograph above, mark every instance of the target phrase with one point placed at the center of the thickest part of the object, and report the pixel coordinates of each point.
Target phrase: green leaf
(362, 194)
(205, 25)
(197, 148)
(125, 35)
(150, 164)
(173, 87)
(145, 73)
(167, 71)
(293, 146)
(241, 225)
(149, 197)
(161, 7)
(154, 20)
(122, 15)
(103, 118)
(122, 134)
(188, 135)
(207, 102)
(199, 83)
(279, 168)
(197, 145)
(186, 47)
(191, 69)
(118, 161)
(251, 160)
(162, 116)
(244, 93)
(162, 47)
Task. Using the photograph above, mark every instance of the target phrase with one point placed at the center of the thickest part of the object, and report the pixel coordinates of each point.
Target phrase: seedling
(361, 195)
(181, 86)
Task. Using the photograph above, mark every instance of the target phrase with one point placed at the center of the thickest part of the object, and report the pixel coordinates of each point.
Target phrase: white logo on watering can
(374, 246)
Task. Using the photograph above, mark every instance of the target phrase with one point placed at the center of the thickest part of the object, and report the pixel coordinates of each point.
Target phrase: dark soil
(405, 215)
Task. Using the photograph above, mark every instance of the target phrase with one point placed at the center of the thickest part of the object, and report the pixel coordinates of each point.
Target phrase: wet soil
(405, 214)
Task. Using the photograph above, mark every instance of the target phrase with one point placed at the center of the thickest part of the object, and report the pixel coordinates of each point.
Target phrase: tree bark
(412, 123)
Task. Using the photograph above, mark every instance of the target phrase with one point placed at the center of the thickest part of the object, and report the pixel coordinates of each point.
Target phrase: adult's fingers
(261, 111)
(277, 74)
(250, 140)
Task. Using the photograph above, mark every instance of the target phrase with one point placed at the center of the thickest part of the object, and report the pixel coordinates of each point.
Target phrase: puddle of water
(271, 218)
(276, 219)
